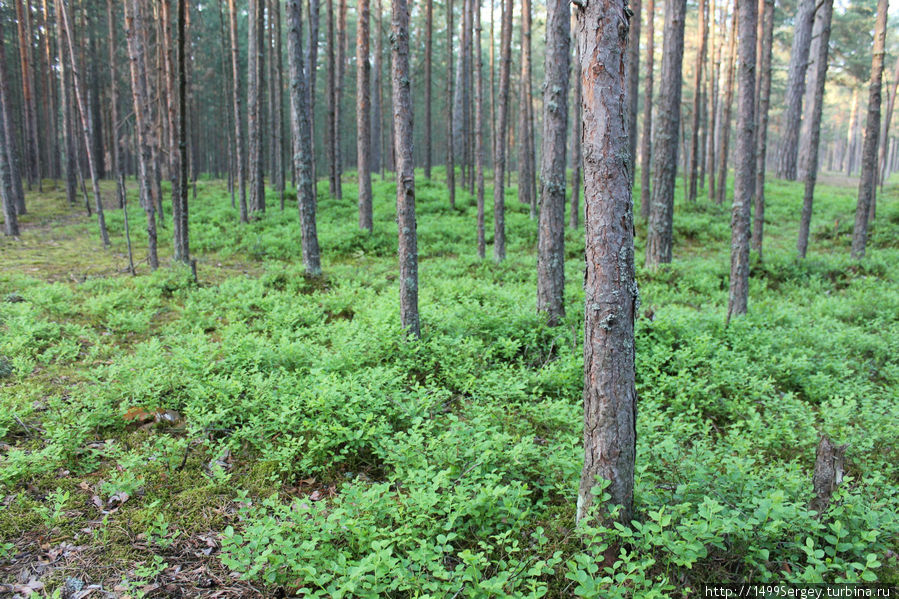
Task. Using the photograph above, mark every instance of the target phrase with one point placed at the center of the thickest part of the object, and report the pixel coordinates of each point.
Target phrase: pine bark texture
(363, 117)
(646, 142)
(610, 397)
(825, 14)
(302, 137)
(868, 178)
(450, 127)
(576, 132)
(405, 168)
(499, 156)
(240, 159)
(479, 128)
(802, 39)
(703, 35)
(551, 229)
(29, 105)
(764, 102)
(744, 171)
(659, 238)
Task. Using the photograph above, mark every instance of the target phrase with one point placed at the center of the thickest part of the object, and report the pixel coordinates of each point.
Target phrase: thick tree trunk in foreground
(479, 128)
(610, 397)
(703, 35)
(646, 142)
(744, 173)
(551, 230)
(802, 39)
(302, 137)
(825, 13)
(764, 101)
(133, 25)
(241, 154)
(499, 153)
(724, 137)
(658, 242)
(450, 151)
(867, 190)
(363, 118)
(405, 168)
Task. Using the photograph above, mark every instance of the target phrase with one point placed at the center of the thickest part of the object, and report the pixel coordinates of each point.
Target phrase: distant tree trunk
(182, 239)
(744, 173)
(576, 158)
(114, 147)
(227, 110)
(885, 133)
(16, 199)
(240, 158)
(86, 129)
(499, 156)
(802, 39)
(551, 230)
(363, 117)
(852, 135)
(377, 160)
(405, 169)
(867, 189)
(450, 151)
(714, 86)
(429, 52)
(610, 289)
(632, 76)
(724, 141)
(646, 143)
(277, 115)
(133, 26)
(312, 66)
(479, 128)
(29, 106)
(658, 242)
(173, 109)
(300, 114)
(703, 35)
(7, 193)
(65, 101)
(825, 14)
(526, 176)
(254, 104)
(338, 96)
(807, 99)
(764, 101)
(330, 139)
(50, 98)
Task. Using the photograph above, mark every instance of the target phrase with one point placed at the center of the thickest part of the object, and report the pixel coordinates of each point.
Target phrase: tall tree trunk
(173, 110)
(254, 104)
(29, 105)
(808, 97)
(479, 128)
(576, 158)
(885, 133)
(114, 147)
(499, 156)
(7, 193)
(133, 26)
(377, 160)
(610, 289)
(764, 101)
(330, 139)
(646, 143)
(450, 150)
(240, 159)
(405, 169)
(744, 174)
(867, 189)
(300, 114)
(429, 52)
(526, 176)
(227, 110)
(65, 101)
(312, 67)
(802, 39)
(338, 96)
(852, 135)
(16, 199)
(277, 116)
(703, 35)
(632, 76)
(658, 242)
(717, 25)
(825, 14)
(51, 99)
(86, 129)
(182, 244)
(363, 117)
(724, 139)
(551, 230)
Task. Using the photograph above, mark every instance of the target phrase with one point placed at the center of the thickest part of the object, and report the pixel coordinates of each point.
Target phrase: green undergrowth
(331, 456)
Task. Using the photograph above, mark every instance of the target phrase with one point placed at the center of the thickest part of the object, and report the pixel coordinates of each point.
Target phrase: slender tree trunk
(802, 38)
(885, 133)
(658, 242)
(377, 160)
(113, 90)
(551, 230)
(277, 116)
(852, 136)
(576, 131)
(646, 144)
(499, 158)
(182, 237)
(30, 126)
(744, 174)
(363, 117)
(764, 100)
(7, 193)
(525, 173)
(133, 26)
(227, 110)
(338, 96)
(867, 189)
(807, 100)
(479, 128)
(16, 199)
(52, 99)
(330, 139)
(703, 35)
(724, 140)
(405, 169)
(86, 129)
(825, 14)
(450, 151)
(300, 113)
(714, 73)
(173, 110)
(429, 52)
(610, 289)
(312, 69)
(240, 158)
(633, 82)
(254, 104)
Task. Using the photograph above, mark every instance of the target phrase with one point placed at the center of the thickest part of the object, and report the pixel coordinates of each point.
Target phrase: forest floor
(259, 433)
